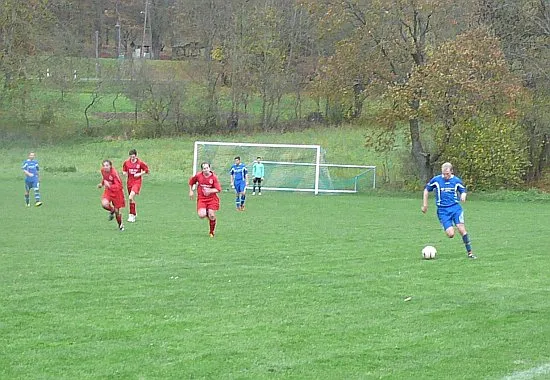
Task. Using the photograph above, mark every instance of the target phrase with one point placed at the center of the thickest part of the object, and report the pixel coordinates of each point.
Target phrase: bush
(489, 154)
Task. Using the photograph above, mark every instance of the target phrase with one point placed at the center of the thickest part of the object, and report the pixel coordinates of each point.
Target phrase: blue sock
(467, 243)
(37, 195)
(243, 197)
(238, 201)
(27, 200)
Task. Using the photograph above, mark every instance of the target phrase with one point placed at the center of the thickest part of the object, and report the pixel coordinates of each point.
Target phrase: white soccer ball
(429, 252)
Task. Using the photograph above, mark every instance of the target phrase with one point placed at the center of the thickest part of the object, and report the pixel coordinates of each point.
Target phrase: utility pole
(117, 26)
(97, 53)
(145, 18)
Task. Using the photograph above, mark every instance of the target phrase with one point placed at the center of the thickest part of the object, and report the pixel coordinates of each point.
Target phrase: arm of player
(209, 190)
(144, 168)
(216, 185)
(191, 183)
(463, 196)
(425, 201)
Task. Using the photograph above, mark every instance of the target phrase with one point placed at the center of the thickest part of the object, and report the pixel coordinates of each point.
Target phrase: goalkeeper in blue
(239, 181)
(258, 173)
(449, 191)
(30, 169)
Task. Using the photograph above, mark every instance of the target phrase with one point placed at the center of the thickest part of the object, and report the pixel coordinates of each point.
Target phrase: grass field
(296, 287)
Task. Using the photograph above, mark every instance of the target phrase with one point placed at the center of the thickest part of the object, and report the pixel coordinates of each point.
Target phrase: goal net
(288, 167)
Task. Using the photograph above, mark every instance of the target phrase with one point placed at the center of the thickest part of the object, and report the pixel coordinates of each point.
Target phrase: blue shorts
(450, 215)
(240, 186)
(31, 183)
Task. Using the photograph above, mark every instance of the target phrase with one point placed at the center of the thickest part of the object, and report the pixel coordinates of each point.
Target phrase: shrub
(489, 154)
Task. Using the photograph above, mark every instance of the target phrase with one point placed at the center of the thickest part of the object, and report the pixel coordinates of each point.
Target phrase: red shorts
(135, 187)
(212, 203)
(116, 197)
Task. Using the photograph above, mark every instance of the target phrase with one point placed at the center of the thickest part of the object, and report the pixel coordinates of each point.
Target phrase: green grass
(173, 158)
(296, 287)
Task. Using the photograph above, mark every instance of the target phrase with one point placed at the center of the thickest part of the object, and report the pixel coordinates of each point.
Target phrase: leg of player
(466, 240)
(132, 201)
(106, 204)
(446, 221)
(238, 201)
(203, 213)
(27, 196)
(212, 222)
(259, 186)
(450, 231)
(118, 216)
(243, 198)
(37, 195)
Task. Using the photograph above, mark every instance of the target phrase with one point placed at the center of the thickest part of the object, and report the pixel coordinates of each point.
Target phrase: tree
(523, 27)
(21, 24)
(466, 81)
(387, 41)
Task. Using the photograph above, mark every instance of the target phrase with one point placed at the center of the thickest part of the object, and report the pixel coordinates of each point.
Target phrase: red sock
(133, 208)
(119, 219)
(212, 225)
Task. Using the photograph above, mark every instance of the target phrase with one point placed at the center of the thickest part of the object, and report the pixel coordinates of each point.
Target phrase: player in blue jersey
(449, 192)
(239, 181)
(32, 179)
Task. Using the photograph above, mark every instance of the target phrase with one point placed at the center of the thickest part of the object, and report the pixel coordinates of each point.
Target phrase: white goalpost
(288, 167)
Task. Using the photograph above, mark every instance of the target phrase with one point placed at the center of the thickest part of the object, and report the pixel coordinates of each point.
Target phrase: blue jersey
(239, 172)
(32, 167)
(447, 192)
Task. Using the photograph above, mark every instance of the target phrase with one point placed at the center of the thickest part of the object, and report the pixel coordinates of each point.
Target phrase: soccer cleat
(471, 256)
(28, 204)
(242, 208)
(260, 193)
(253, 193)
(111, 215)
(131, 218)
(211, 234)
(38, 204)
(121, 227)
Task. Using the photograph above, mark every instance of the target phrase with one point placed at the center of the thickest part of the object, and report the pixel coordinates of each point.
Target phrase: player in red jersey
(134, 169)
(112, 199)
(208, 188)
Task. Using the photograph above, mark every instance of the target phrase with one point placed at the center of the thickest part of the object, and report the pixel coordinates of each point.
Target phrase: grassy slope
(172, 158)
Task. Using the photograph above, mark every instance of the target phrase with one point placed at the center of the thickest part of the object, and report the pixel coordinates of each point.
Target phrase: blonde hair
(447, 165)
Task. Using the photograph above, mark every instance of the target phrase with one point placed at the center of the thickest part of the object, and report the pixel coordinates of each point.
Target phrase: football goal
(288, 167)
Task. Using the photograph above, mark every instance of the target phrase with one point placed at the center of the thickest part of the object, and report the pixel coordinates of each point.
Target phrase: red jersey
(132, 168)
(202, 181)
(112, 178)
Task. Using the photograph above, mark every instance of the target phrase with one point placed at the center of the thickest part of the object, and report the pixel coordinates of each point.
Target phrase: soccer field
(296, 287)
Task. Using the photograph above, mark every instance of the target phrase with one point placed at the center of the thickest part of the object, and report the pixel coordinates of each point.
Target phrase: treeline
(462, 81)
